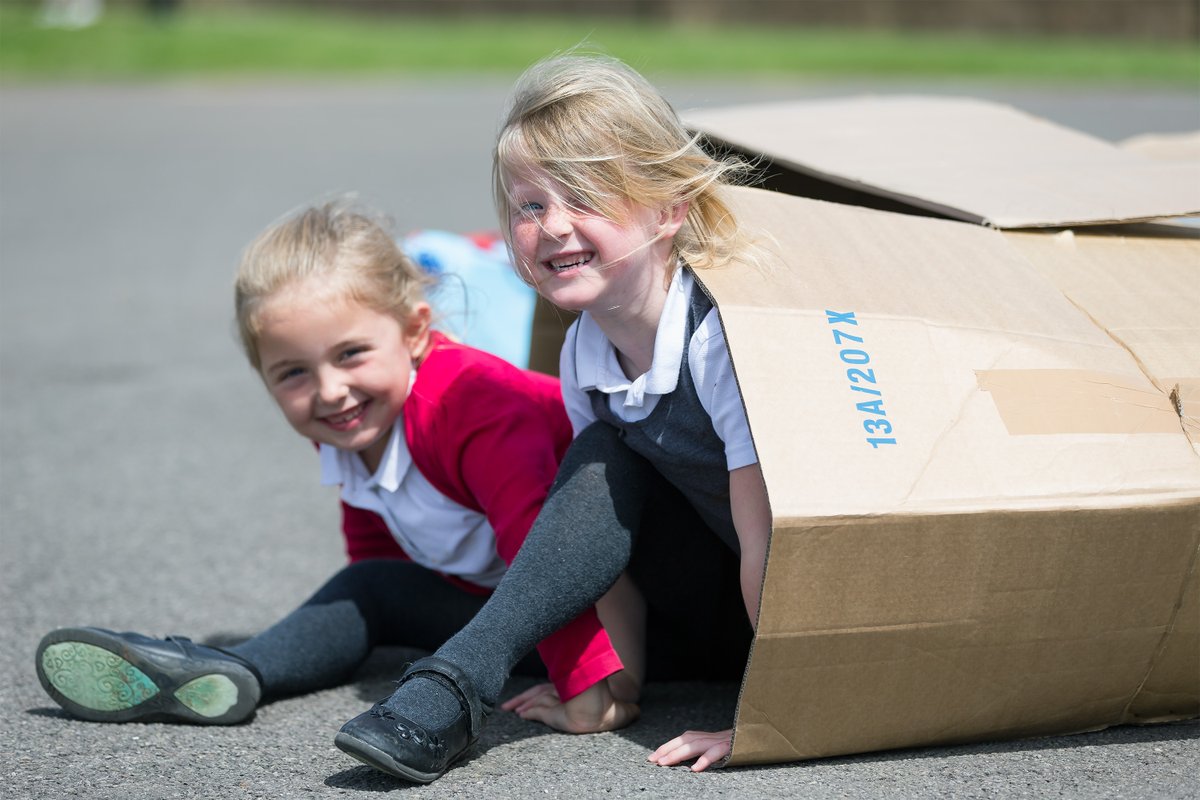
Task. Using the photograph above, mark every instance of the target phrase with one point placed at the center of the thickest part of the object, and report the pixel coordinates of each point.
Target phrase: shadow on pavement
(1116, 735)
(670, 708)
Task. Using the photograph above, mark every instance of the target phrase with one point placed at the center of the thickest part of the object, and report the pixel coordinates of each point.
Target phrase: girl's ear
(671, 218)
(416, 330)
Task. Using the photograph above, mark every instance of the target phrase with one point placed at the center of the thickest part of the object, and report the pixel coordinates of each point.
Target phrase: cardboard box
(986, 505)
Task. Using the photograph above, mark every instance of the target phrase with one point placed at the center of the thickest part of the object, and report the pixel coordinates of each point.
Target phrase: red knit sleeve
(500, 434)
(367, 536)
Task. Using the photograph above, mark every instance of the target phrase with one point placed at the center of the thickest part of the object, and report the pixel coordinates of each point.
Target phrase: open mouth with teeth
(569, 262)
(346, 419)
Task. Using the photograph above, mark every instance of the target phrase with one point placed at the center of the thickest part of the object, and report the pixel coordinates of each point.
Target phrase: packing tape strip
(1058, 401)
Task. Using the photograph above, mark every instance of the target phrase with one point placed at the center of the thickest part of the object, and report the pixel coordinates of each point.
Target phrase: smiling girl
(444, 455)
(610, 207)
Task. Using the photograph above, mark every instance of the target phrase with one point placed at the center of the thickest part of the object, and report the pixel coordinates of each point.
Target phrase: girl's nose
(557, 221)
(331, 389)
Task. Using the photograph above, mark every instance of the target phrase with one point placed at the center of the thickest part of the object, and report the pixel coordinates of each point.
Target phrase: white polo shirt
(434, 531)
(589, 361)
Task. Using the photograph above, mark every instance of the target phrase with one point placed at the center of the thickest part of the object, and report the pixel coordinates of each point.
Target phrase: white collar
(596, 362)
(347, 469)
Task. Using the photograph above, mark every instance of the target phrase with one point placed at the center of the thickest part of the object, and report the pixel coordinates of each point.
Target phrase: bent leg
(578, 546)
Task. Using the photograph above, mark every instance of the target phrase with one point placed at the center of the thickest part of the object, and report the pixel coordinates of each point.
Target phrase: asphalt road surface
(147, 483)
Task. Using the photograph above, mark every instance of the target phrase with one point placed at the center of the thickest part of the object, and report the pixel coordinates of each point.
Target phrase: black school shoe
(391, 743)
(105, 676)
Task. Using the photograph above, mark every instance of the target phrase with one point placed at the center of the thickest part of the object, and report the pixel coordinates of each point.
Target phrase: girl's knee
(598, 441)
(600, 451)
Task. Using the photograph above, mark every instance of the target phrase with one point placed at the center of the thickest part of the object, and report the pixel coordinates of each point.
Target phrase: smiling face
(338, 370)
(578, 258)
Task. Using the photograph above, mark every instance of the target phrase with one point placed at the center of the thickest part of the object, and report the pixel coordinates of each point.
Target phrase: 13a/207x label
(861, 378)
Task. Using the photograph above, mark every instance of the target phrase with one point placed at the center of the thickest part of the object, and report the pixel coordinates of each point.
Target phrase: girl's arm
(752, 520)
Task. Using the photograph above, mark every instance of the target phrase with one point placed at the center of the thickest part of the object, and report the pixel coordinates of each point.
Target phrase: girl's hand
(529, 698)
(709, 747)
(593, 710)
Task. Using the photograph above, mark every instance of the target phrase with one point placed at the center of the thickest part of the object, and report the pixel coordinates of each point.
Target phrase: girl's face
(580, 260)
(338, 370)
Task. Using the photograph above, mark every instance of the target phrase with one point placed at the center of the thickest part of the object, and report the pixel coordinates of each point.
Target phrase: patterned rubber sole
(100, 680)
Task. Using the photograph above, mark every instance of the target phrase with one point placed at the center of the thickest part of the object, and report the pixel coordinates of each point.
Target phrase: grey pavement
(147, 483)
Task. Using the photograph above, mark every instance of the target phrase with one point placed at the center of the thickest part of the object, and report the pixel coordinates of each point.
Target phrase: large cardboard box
(975, 442)
(980, 438)
(985, 514)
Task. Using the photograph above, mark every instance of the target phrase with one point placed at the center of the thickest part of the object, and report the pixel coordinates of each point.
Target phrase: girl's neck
(632, 327)
(372, 455)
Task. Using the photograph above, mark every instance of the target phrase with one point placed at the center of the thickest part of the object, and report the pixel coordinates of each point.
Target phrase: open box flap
(968, 159)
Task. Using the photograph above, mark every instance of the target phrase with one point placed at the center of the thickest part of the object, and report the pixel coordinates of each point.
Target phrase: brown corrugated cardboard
(1030, 566)
(549, 326)
(962, 158)
(941, 571)
(980, 161)
(1141, 284)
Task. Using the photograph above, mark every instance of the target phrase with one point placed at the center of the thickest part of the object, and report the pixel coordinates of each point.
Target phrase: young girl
(443, 453)
(609, 205)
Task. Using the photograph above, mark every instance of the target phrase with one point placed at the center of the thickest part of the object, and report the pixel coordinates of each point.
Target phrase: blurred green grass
(237, 42)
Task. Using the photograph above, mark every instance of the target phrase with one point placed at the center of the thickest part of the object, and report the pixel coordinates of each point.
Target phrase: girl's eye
(288, 374)
(351, 352)
(581, 205)
(529, 208)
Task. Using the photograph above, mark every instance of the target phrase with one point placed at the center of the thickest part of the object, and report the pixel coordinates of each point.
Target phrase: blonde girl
(443, 454)
(609, 205)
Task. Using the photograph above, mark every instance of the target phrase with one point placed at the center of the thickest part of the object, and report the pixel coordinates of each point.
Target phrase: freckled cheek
(524, 242)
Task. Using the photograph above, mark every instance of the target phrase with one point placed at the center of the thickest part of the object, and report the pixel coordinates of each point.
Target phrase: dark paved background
(146, 482)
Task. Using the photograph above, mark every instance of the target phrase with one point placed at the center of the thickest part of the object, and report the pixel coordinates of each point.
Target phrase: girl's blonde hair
(349, 249)
(600, 130)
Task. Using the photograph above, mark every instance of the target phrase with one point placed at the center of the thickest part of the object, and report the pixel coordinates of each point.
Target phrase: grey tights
(583, 539)
(379, 602)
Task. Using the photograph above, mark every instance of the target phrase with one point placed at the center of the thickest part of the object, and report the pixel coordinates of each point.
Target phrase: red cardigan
(489, 436)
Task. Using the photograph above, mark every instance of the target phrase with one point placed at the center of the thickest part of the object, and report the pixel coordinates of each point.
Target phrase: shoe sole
(374, 757)
(98, 676)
